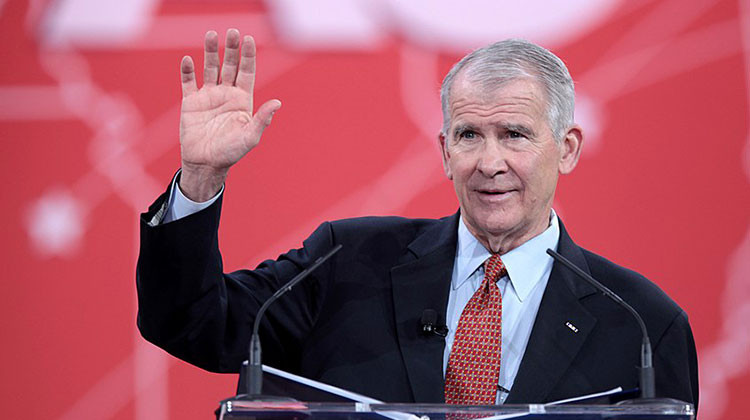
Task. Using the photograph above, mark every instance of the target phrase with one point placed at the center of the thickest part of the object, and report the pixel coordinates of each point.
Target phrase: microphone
(254, 368)
(428, 321)
(646, 379)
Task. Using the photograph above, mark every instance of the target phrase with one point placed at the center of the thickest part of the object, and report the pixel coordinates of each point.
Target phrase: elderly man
(520, 328)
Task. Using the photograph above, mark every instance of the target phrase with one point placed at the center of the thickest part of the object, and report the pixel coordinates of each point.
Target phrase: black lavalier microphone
(428, 324)
(254, 367)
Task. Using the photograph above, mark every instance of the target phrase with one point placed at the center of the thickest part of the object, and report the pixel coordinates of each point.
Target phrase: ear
(571, 149)
(443, 143)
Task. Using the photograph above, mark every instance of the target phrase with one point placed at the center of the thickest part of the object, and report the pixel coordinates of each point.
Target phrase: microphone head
(429, 318)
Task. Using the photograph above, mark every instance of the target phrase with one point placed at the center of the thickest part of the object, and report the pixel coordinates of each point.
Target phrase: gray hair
(504, 61)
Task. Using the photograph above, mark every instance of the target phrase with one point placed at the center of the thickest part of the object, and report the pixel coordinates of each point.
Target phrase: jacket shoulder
(646, 297)
(385, 240)
(399, 228)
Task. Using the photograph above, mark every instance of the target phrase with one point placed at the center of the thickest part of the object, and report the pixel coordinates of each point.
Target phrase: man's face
(504, 161)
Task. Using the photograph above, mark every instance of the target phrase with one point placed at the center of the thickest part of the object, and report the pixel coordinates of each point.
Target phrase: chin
(496, 225)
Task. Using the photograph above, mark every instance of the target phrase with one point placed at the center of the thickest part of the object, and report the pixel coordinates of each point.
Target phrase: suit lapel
(553, 345)
(422, 281)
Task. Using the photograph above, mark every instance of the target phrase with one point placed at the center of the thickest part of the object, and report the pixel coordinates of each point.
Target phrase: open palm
(217, 126)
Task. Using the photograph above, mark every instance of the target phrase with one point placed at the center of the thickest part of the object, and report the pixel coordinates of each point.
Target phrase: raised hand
(217, 124)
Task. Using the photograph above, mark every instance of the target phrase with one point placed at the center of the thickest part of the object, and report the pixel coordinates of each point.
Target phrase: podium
(297, 389)
(354, 411)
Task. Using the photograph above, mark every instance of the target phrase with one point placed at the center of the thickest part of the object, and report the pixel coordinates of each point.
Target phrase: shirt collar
(470, 255)
(526, 264)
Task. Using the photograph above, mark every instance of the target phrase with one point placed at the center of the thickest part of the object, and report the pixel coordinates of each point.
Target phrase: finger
(246, 74)
(211, 59)
(231, 57)
(187, 71)
(262, 118)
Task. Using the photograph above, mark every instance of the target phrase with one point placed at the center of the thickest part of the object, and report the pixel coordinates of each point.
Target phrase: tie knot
(494, 268)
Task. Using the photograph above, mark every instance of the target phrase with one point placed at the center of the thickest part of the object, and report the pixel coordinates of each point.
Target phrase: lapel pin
(571, 326)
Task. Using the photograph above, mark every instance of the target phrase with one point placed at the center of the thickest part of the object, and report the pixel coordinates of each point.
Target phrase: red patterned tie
(474, 362)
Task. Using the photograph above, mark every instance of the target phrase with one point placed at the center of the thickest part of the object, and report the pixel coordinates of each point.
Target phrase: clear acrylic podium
(355, 411)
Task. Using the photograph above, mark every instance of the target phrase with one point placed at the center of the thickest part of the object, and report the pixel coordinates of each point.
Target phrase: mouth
(493, 194)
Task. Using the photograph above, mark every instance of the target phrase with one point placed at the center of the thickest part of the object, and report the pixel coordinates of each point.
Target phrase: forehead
(521, 97)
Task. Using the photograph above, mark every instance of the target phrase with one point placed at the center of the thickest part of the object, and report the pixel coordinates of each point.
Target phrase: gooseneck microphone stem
(647, 369)
(254, 364)
(254, 367)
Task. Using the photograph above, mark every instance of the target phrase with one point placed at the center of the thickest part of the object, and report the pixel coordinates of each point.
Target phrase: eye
(515, 135)
(467, 134)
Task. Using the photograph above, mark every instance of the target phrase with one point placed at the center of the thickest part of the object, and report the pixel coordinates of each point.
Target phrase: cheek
(460, 169)
(541, 181)
(463, 176)
(531, 174)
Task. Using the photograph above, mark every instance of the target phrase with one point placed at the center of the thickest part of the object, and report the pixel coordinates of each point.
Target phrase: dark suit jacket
(355, 322)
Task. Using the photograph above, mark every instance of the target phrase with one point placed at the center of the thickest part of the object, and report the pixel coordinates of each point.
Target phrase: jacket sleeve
(676, 362)
(191, 309)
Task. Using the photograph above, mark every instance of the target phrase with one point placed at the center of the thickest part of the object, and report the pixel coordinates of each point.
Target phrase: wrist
(200, 183)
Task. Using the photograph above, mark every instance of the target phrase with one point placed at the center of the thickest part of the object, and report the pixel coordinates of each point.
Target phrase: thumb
(262, 118)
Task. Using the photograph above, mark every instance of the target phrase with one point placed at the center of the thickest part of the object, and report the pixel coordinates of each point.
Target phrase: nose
(492, 160)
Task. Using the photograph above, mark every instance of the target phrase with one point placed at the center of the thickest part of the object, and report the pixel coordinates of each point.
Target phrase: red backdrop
(89, 96)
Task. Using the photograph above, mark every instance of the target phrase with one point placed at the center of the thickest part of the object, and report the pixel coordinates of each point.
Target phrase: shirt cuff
(180, 206)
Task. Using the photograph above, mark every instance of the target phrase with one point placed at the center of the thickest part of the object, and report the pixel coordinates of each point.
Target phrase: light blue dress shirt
(528, 267)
